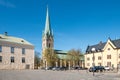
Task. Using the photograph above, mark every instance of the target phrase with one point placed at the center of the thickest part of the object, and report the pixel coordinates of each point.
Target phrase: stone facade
(105, 54)
(9, 48)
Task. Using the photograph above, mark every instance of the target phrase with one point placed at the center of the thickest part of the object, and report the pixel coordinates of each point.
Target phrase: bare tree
(50, 57)
(37, 60)
(74, 57)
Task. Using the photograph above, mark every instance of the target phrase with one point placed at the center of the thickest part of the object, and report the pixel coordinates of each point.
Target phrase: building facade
(15, 53)
(105, 54)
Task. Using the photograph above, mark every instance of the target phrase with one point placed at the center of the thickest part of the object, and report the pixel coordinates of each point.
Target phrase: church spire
(47, 31)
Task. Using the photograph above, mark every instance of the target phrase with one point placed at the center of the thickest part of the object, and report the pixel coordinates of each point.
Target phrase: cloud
(7, 4)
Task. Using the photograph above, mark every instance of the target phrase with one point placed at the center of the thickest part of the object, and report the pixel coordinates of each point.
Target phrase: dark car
(49, 68)
(96, 69)
(63, 68)
(92, 69)
(101, 68)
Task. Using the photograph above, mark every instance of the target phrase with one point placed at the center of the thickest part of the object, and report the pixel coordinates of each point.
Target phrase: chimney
(6, 34)
(100, 42)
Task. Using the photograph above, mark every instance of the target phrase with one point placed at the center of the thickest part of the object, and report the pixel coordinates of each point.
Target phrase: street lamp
(93, 50)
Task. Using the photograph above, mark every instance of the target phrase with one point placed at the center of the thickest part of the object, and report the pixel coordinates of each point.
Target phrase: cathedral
(48, 39)
(48, 43)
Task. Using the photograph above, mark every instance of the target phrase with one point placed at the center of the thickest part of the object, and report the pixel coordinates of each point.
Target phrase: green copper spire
(47, 31)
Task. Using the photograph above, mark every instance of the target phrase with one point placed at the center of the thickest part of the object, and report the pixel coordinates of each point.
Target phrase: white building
(15, 53)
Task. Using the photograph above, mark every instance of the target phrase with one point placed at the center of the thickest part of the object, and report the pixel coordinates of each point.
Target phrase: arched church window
(49, 45)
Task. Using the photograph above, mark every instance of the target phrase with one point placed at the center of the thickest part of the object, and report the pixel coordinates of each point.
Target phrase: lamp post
(93, 50)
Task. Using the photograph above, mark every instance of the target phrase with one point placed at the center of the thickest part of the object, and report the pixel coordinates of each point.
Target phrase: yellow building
(105, 54)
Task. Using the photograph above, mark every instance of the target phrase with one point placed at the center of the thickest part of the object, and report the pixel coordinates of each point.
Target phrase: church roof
(47, 31)
(101, 45)
(61, 52)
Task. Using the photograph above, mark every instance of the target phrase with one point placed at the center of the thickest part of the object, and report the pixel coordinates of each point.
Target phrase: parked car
(77, 68)
(49, 68)
(101, 68)
(92, 69)
(107, 68)
(96, 69)
(63, 68)
(56, 68)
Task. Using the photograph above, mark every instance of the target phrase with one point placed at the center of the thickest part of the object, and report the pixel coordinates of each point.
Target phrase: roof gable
(101, 46)
(110, 43)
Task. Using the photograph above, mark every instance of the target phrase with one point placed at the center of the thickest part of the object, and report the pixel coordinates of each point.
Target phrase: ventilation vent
(22, 41)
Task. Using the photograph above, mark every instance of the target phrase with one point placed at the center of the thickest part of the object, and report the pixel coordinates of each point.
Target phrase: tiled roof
(14, 39)
(116, 43)
(101, 45)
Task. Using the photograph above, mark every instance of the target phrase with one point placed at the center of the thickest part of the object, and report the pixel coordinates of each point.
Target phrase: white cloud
(7, 4)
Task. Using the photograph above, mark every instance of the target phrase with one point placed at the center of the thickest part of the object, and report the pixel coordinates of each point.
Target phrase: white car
(107, 68)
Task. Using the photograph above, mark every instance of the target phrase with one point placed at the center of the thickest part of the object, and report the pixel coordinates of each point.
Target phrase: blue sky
(75, 23)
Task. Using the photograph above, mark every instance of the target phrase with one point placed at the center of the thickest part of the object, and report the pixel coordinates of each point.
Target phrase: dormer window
(108, 49)
(22, 41)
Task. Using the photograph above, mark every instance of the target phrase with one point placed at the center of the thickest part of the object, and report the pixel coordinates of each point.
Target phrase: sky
(75, 23)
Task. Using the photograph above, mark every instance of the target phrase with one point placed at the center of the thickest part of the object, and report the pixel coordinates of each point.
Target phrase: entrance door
(27, 66)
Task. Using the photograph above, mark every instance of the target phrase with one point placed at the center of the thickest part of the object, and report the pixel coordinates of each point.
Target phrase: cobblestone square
(55, 75)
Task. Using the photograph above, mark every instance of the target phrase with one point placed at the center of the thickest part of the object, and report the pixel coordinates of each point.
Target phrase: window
(0, 58)
(23, 59)
(12, 60)
(12, 49)
(99, 57)
(108, 49)
(49, 45)
(23, 50)
(88, 59)
(0, 48)
(108, 63)
(108, 56)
